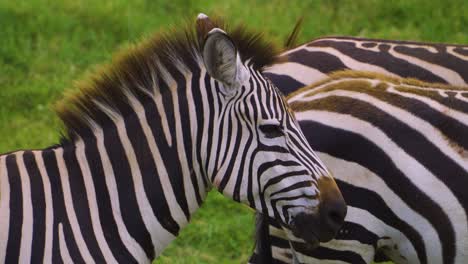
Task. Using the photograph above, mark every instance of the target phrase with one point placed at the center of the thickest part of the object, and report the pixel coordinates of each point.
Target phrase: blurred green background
(46, 45)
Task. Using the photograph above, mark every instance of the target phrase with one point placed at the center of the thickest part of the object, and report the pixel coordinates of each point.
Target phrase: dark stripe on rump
(454, 130)
(16, 210)
(450, 101)
(50, 163)
(369, 44)
(131, 214)
(151, 182)
(461, 51)
(109, 227)
(382, 59)
(441, 58)
(284, 83)
(344, 38)
(39, 207)
(319, 60)
(80, 202)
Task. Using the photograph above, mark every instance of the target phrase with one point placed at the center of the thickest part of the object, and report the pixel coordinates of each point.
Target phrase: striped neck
(121, 193)
(148, 161)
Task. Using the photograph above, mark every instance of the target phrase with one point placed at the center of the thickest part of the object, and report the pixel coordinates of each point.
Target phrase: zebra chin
(322, 223)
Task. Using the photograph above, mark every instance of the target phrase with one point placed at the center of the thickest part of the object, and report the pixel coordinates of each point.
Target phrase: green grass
(46, 45)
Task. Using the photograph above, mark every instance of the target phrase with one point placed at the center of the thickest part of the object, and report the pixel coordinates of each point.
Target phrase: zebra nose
(332, 209)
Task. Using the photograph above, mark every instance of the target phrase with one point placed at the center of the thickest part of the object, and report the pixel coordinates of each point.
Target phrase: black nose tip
(332, 209)
(332, 214)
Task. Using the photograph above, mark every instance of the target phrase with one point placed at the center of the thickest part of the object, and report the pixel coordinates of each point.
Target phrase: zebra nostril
(336, 217)
(334, 213)
(332, 209)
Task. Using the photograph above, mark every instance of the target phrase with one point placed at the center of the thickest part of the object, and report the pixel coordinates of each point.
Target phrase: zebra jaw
(301, 224)
(300, 237)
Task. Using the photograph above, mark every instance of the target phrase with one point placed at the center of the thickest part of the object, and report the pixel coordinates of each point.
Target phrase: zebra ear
(222, 60)
(203, 25)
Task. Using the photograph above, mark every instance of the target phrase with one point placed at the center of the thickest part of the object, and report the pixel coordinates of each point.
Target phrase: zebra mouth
(305, 248)
(304, 226)
(308, 236)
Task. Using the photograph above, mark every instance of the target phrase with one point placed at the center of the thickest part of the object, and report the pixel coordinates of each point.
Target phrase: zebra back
(311, 63)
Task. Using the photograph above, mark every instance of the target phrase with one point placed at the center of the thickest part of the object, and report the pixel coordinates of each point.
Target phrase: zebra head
(262, 158)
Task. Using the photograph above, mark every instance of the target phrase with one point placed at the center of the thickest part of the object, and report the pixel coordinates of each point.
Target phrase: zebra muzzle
(323, 223)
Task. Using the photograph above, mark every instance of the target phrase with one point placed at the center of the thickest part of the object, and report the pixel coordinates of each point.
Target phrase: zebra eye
(272, 130)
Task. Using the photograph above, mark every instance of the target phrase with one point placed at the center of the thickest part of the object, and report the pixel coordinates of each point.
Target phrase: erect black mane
(135, 71)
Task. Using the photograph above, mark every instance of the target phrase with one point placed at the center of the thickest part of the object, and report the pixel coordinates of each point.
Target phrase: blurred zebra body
(366, 231)
(147, 138)
(313, 61)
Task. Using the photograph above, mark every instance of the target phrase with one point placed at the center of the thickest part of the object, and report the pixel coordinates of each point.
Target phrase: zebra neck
(149, 188)
(153, 150)
(121, 192)
(115, 195)
(149, 153)
(142, 165)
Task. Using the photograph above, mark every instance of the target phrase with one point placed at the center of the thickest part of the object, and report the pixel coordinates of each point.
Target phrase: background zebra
(147, 137)
(312, 62)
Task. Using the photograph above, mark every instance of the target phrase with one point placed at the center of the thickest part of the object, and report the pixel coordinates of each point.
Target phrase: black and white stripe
(147, 139)
(310, 62)
(429, 234)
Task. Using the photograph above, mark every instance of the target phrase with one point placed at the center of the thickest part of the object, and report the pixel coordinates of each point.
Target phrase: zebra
(145, 139)
(356, 243)
(313, 61)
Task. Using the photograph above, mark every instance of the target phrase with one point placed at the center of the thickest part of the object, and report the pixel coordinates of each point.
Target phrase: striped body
(147, 138)
(361, 240)
(66, 204)
(313, 61)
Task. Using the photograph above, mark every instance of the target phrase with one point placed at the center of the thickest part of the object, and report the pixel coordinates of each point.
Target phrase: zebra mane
(394, 80)
(141, 67)
(371, 82)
